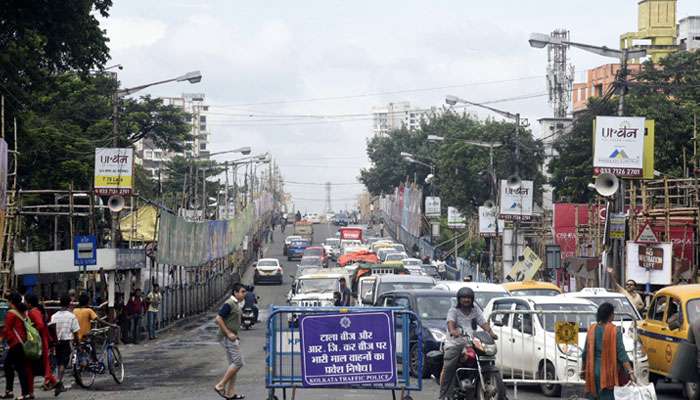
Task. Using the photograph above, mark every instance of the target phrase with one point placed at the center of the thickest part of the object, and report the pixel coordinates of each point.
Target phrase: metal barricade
(528, 352)
(283, 348)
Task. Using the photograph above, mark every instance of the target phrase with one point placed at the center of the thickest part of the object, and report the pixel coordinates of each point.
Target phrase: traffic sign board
(85, 250)
(647, 235)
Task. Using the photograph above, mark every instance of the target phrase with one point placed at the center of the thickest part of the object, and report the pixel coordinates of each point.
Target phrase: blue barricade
(343, 347)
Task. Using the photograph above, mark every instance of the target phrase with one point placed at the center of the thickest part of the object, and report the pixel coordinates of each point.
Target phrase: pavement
(186, 362)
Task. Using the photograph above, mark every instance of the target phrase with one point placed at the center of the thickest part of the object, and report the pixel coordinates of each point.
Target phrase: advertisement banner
(346, 349)
(432, 206)
(617, 225)
(525, 269)
(516, 204)
(113, 171)
(618, 146)
(455, 219)
(487, 222)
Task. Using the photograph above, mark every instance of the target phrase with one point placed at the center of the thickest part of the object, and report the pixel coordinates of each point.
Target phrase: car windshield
(392, 286)
(434, 307)
(483, 298)
(534, 292)
(313, 252)
(398, 247)
(394, 257)
(333, 242)
(310, 261)
(693, 308)
(324, 285)
(621, 304)
(292, 238)
(564, 313)
(306, 269)
(411, 263)
(300, 243)
(267, 263)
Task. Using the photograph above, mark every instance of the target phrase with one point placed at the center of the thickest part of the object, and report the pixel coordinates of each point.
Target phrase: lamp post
(245, 150)
(540, 41)
(191, 77)
(494, 182)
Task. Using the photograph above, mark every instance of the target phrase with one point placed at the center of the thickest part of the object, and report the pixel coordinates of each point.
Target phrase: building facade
(153, 158)
(656, 29)
(689, 33)
(395, 116)
(598, 81)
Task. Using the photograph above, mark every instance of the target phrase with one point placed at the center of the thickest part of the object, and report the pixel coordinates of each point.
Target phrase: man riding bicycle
(461, 319)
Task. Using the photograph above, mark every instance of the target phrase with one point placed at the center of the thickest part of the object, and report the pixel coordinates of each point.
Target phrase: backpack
(32, 345)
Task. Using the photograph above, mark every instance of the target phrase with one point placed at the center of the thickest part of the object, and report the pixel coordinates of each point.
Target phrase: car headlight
(639, 349)
(438, 334)
(570, 351)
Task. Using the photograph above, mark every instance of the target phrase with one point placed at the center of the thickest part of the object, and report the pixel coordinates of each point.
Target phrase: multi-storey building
(395, 116)
(598, 82)
(153, 158)
(656, 29)
(689, 33)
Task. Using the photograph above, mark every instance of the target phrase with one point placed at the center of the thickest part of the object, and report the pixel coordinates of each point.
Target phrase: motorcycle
(477, 375)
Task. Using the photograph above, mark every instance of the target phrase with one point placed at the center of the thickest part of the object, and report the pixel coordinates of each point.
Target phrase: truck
(351, 233)
(304, 229)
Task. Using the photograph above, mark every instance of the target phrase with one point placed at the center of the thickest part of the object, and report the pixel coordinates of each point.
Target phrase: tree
(43, 37)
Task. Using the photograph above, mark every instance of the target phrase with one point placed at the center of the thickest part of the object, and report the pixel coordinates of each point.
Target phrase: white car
(316, 289)
(414, 266)
(332, 246)
(314, 218)
(393, 282)
(623, 310)
(483, 291)
(396, 256)
(268, 270)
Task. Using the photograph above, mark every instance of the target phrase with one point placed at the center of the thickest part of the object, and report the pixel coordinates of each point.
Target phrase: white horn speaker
(606, 184)
(514, 181)
(115, 203)
(489, 204)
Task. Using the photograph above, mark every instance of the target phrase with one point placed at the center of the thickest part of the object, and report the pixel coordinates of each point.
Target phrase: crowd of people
(60, 330)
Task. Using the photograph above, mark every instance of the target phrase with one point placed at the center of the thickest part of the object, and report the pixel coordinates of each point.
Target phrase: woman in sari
(603, 354)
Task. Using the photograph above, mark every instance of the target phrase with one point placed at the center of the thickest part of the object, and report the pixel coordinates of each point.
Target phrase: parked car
(431, 306)
(268, 270)
(296, 249)
(314, 218)
(532, 288)
(671, 312)
(289, 240)
(527, 345)
(317, 251)
(483, 292)
(394, 282)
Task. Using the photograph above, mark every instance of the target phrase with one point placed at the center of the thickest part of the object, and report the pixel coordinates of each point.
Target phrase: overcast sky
(265, 61)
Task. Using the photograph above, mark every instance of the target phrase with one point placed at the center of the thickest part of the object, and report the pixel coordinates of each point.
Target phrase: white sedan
(268, 270)
(414, 266)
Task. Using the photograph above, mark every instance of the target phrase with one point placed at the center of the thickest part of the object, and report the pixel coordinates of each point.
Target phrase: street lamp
(243, 150)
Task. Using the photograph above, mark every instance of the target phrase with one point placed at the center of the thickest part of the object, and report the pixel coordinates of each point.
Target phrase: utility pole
(226, 190)
(115, 144)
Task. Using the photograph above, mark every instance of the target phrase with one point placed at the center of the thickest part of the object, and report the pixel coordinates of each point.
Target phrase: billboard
(487, 222)
(618, 146)
(455, 219)
(113, 171)
(516, 204)
(432, 206)
(649, 263)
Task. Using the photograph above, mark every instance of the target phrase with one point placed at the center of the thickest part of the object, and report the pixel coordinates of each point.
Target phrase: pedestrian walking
(135, 308)
(229, 321)
(256, 247)
(153, 301)
(122, 318)
(15, 360)
(345, 293)
(36, 315)
(85, 315)
(67, 328)
(603, 355)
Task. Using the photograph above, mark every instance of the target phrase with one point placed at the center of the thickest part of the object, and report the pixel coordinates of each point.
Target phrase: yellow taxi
(670, 314)
(532, 288)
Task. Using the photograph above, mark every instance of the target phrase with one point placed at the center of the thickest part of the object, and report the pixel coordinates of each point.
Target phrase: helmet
(465, 292)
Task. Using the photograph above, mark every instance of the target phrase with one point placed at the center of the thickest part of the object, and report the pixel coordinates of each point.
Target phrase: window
(401, 302)
(157, 155)
(656, 311)
(523, 322)
(202, 119)
(675, 312)
(388, 301)
(202, 146)
(599, 90)
(502, 319)
(147, 154)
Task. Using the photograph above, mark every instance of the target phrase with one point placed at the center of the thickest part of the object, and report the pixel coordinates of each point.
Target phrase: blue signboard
(348, 349)
(85, 250)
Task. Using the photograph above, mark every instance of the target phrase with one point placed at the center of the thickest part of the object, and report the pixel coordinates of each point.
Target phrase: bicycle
(87, 364)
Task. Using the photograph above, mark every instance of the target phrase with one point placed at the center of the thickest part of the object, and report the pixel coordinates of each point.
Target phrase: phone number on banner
(629, 172)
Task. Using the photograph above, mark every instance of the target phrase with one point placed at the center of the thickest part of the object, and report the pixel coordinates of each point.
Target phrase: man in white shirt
(67, 328)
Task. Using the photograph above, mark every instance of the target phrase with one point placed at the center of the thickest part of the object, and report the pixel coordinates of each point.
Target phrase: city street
(186, 362)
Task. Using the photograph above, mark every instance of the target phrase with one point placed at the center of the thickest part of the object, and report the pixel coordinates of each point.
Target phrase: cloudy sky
(299, 78)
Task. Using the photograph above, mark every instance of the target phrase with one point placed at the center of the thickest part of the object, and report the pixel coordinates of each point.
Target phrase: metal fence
(528, 352)
(283, 347)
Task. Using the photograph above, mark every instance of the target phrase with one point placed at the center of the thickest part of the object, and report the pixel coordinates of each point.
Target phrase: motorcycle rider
(462, 319)
(251, 301)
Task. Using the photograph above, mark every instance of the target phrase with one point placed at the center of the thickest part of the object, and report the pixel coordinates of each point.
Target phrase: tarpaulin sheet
(140, 226)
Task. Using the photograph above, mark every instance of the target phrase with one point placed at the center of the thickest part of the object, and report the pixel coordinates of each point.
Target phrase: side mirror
(292, 276)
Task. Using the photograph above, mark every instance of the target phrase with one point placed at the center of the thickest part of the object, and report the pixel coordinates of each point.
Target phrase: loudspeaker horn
(489, 204)
(606, 184)
(513, 182)
(116, 203)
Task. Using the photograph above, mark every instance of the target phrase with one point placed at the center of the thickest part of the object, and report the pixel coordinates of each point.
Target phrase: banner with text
(516, 203)
(618, 146)
(113, 171)
(348, 349)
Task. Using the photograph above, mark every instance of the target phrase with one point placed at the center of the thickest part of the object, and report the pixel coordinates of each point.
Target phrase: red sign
(647, 235)
(350, 233)
(565, 225)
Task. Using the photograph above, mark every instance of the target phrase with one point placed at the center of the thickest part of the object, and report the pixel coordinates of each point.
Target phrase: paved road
(185, 363)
